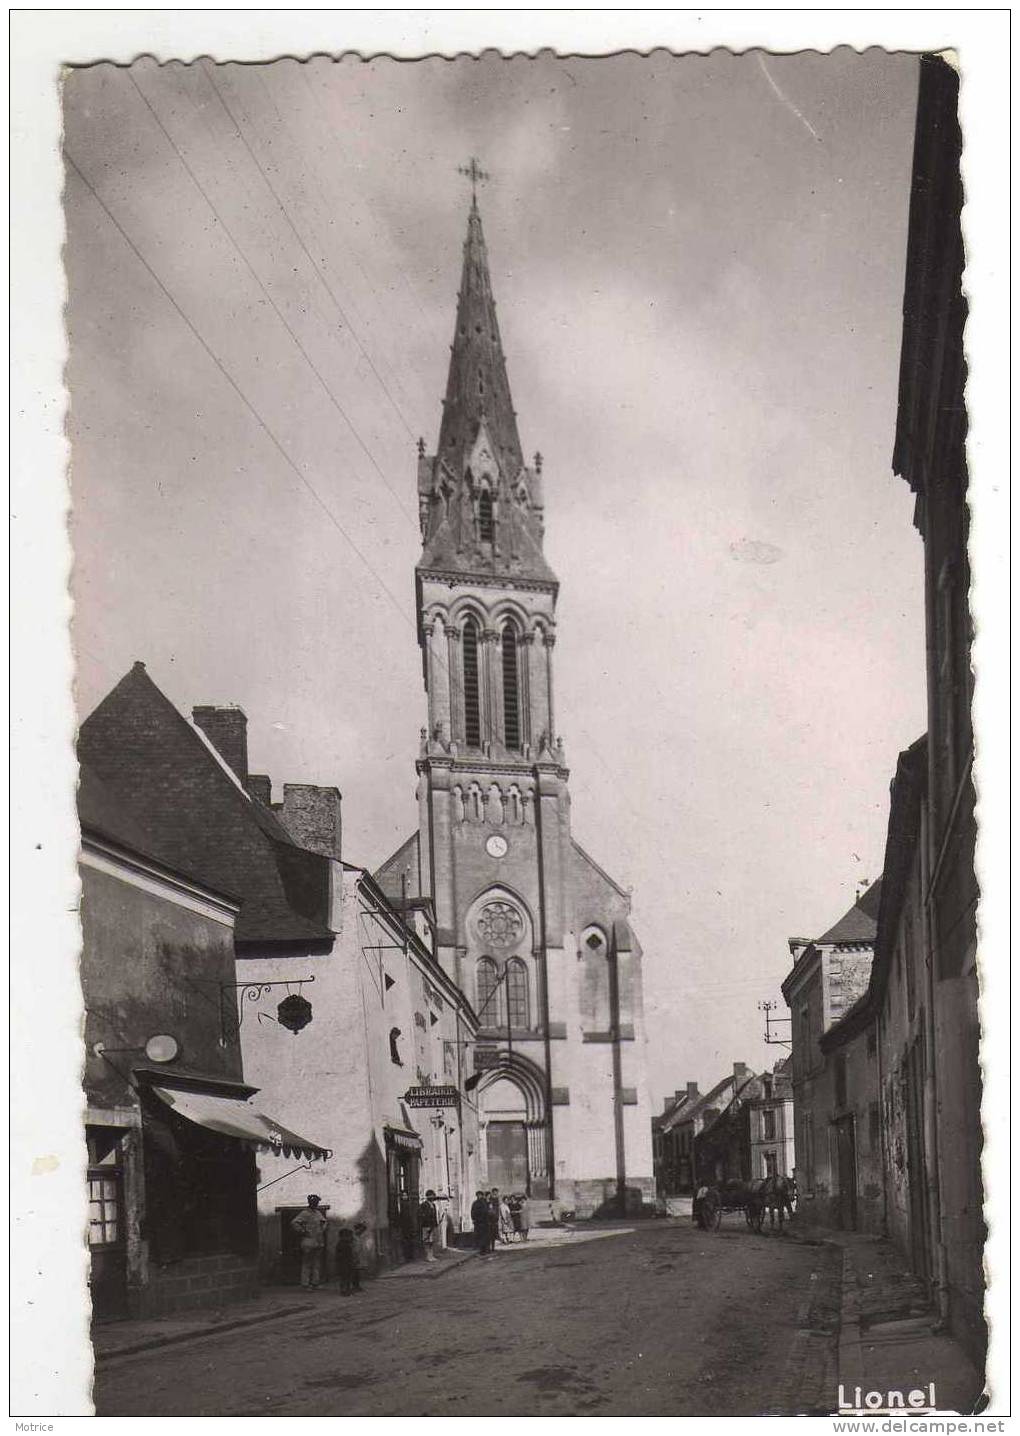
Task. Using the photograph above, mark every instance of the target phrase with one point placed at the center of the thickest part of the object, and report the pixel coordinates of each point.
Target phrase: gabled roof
(149, 758)
(860, 922)
(902, 837)
(686, 1111)
(109, 817)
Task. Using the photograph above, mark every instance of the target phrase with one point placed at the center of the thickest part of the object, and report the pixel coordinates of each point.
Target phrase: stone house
(681, 1126)
(172, 1202)
(829, 974)
(883, 1044)
(671, 1161)
(930, 454)
(752, 1137)
(335, 1007)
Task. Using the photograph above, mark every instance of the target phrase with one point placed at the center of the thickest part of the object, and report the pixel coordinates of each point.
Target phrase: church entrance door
(508, 1156)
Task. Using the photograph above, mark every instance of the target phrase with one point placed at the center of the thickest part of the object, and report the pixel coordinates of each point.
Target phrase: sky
(698, 265)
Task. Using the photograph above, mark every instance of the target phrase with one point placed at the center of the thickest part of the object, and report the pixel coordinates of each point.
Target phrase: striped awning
(402, 1137)
(238, 1119)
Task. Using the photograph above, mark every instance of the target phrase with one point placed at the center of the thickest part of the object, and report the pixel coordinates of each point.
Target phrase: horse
(777, 1193)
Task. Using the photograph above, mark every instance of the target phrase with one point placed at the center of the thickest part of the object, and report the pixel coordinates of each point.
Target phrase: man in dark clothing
(347, 1267)
(480, 1222)
(428, 1221)
(493, 1211)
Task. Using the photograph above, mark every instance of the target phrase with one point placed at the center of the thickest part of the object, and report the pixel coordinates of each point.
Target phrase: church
(526, 923)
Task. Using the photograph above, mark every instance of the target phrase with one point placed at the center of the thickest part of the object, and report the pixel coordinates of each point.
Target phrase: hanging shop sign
(294, 1012)
(486, 1058)
(432, 1096)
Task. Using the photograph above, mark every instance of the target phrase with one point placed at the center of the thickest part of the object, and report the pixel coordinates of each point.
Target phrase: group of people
(498, 1218)
(310, 1226)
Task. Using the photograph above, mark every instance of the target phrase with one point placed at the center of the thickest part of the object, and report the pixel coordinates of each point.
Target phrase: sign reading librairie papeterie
(432, 1097)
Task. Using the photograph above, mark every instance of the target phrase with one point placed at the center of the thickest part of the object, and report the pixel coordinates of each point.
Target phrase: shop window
(104, 1223)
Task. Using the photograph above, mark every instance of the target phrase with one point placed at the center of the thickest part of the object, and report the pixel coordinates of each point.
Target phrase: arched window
(518, 1011)
(511, 692)
(472, 704)
(486, 985)
(486, 527)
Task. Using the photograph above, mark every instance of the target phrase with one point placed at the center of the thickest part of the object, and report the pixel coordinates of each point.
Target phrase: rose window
(500, 924)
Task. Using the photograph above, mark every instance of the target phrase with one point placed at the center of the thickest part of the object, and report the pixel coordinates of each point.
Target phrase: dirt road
(664, 1320)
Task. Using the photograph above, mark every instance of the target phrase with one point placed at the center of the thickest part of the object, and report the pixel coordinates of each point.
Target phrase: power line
(249, 405)
(325, 282)
(279, 313)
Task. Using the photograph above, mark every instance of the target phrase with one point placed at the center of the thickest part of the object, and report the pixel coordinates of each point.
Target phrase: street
(657, 1321)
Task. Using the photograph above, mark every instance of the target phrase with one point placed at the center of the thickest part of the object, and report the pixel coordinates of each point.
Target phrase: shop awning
(402, 1137)
(232, 1117)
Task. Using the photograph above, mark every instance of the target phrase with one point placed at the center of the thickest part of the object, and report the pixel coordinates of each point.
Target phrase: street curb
(152, 1343)
(850, 1360)
(397, 1274)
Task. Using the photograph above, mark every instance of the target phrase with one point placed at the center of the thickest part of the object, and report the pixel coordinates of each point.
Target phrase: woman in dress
(506, 1221)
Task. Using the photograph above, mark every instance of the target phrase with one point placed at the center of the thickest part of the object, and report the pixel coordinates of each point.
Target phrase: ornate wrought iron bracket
(250, 992)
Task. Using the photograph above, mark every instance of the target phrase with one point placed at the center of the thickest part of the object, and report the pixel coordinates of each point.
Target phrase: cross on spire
(476, 175)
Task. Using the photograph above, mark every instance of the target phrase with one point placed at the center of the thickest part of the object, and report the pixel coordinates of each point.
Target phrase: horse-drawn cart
(711, 1202)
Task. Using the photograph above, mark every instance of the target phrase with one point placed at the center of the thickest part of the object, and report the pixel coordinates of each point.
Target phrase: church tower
(527, 924)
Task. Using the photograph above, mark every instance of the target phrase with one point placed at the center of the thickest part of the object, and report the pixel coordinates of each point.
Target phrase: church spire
(480, 506)
(477, 388)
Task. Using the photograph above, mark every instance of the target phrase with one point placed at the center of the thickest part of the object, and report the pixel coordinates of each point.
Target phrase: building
(527, 923)
(881, 1051)
(752, 1137)
(829, 975)
(930, 455)
(681, 1126)
(670, 1162)
(332, 999)
(172, 1133)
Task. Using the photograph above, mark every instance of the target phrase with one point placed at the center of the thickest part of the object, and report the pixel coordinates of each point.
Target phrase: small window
(841, 1080)
(486, 527)
(874, 1127)
(768, 1124)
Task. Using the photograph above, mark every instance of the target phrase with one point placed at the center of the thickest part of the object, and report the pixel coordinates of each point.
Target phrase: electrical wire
(297, 235)
(248, 404)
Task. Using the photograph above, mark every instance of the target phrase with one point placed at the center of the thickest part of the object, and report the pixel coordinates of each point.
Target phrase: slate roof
(107, 815)
(478, 407)
(902, 837)
(149, 758)
(860, 922)
(686, 1111)
(477, 383)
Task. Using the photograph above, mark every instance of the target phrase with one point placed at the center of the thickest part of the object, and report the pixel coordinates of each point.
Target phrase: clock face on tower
(496, 845)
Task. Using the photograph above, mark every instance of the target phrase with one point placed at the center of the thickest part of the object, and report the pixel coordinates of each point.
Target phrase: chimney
(260, 787)
(227, 730)
(692, 1092)
(312, 817)
(741, 1072)
(668, 1105)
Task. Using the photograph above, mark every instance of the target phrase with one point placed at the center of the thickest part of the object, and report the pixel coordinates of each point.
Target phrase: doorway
(508, 1156)
(107, 1224)
(846, 1170)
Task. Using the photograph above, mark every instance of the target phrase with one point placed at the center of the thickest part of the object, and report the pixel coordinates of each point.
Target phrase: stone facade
(527, 924)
